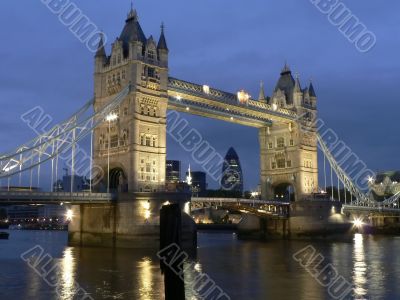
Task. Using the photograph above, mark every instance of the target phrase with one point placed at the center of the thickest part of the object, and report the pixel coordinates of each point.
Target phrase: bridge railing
(55, 196)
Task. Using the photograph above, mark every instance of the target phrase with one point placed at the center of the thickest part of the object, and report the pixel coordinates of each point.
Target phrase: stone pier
(131, 222)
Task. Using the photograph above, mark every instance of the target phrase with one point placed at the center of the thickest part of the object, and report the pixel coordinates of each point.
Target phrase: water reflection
(359, 268)
(66, 288)
(146, 279)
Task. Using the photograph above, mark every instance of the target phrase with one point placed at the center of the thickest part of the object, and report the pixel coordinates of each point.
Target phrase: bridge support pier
(132, 222)
(256, 227)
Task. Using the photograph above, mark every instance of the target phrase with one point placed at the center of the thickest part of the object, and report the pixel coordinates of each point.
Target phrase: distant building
(79, 184)
(198, 183)
(173, 171)
(232, 175)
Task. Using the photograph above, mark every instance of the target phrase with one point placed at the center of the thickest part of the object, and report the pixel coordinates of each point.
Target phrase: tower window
(148, 141)
(291, 142)
(114, 141)
(273, 165)
(154, 142)
(150, 54)
(270, 145)
(148, 170)
(280, 142)
(281, 163)
(151, 72)
(289, 163)
(142, 142)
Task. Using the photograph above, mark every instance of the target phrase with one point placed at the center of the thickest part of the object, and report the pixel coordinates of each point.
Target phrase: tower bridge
(132, 93)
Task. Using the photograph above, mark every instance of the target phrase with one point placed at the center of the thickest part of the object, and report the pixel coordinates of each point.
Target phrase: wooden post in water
(170, 233)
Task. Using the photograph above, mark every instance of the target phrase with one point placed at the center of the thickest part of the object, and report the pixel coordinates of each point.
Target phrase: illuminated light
(206, 89)
(187, 108)
(146, 207)
(111, 117)
(357, 222)
(189, 177)
(274, 106)
(231, 118)
(7, 169)
(69, 215)
(186, 208)
(179, 98)
(323, 192)
(197, 267)
(62, 203)
(243, 97)
(166, 203)
(370, 179)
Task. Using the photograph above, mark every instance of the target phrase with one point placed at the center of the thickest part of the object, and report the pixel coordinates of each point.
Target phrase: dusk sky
(229, 45)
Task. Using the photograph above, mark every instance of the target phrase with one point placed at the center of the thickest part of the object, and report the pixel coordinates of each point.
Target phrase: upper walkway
(208, 102)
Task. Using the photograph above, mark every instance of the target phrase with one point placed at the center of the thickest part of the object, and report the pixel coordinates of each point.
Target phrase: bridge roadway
(28, 197)
(253, 206)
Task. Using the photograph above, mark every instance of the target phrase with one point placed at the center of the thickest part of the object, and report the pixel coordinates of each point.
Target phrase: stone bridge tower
(137, 149)
(289, 165)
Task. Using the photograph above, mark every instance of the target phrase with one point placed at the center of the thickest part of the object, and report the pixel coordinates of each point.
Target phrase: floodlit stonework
(138, 136)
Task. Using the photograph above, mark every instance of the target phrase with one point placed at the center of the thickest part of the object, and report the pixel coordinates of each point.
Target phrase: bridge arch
(284, 191)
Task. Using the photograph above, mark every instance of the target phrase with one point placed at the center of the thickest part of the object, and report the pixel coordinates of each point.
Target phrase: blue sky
(229, 45)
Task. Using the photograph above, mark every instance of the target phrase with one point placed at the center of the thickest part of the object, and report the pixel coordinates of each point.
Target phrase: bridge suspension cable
(361, 197)
(58, 140)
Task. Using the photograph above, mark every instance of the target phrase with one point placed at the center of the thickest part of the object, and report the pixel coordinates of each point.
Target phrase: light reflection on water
(359, 267)
(244, 269)
(67, 267)
(146, 284)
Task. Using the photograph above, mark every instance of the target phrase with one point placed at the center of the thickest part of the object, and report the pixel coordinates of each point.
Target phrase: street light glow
(111, 117)
(69, 215)
(357, 222)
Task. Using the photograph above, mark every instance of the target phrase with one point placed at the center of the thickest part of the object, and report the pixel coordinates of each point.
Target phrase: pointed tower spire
(162, 43)
(261, 96)
(101, 52)
(297, 85)
(285, 69)
(132, 13)
(311, 90)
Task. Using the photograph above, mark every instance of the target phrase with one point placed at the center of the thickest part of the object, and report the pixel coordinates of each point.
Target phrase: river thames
(243, 269)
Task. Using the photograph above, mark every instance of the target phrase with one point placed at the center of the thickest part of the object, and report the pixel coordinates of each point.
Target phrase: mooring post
(170, 234)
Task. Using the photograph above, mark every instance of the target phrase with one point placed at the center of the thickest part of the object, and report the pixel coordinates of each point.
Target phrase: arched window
(142, 109)
(142, 139)
(154, 141)
(148, 141)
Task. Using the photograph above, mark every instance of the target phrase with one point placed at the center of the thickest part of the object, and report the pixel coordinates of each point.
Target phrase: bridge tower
(289, 165)
(135, 142)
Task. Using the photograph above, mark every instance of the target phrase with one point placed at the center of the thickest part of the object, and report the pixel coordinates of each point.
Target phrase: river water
(242, 269)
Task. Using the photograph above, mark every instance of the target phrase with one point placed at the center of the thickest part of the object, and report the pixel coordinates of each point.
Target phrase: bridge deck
(14, 197)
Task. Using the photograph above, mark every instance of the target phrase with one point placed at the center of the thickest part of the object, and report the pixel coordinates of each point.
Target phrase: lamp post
(111, 117)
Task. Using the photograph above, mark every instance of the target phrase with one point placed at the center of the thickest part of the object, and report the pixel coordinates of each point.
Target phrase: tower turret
(261, 96)
(297, 93)
(162, 48)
